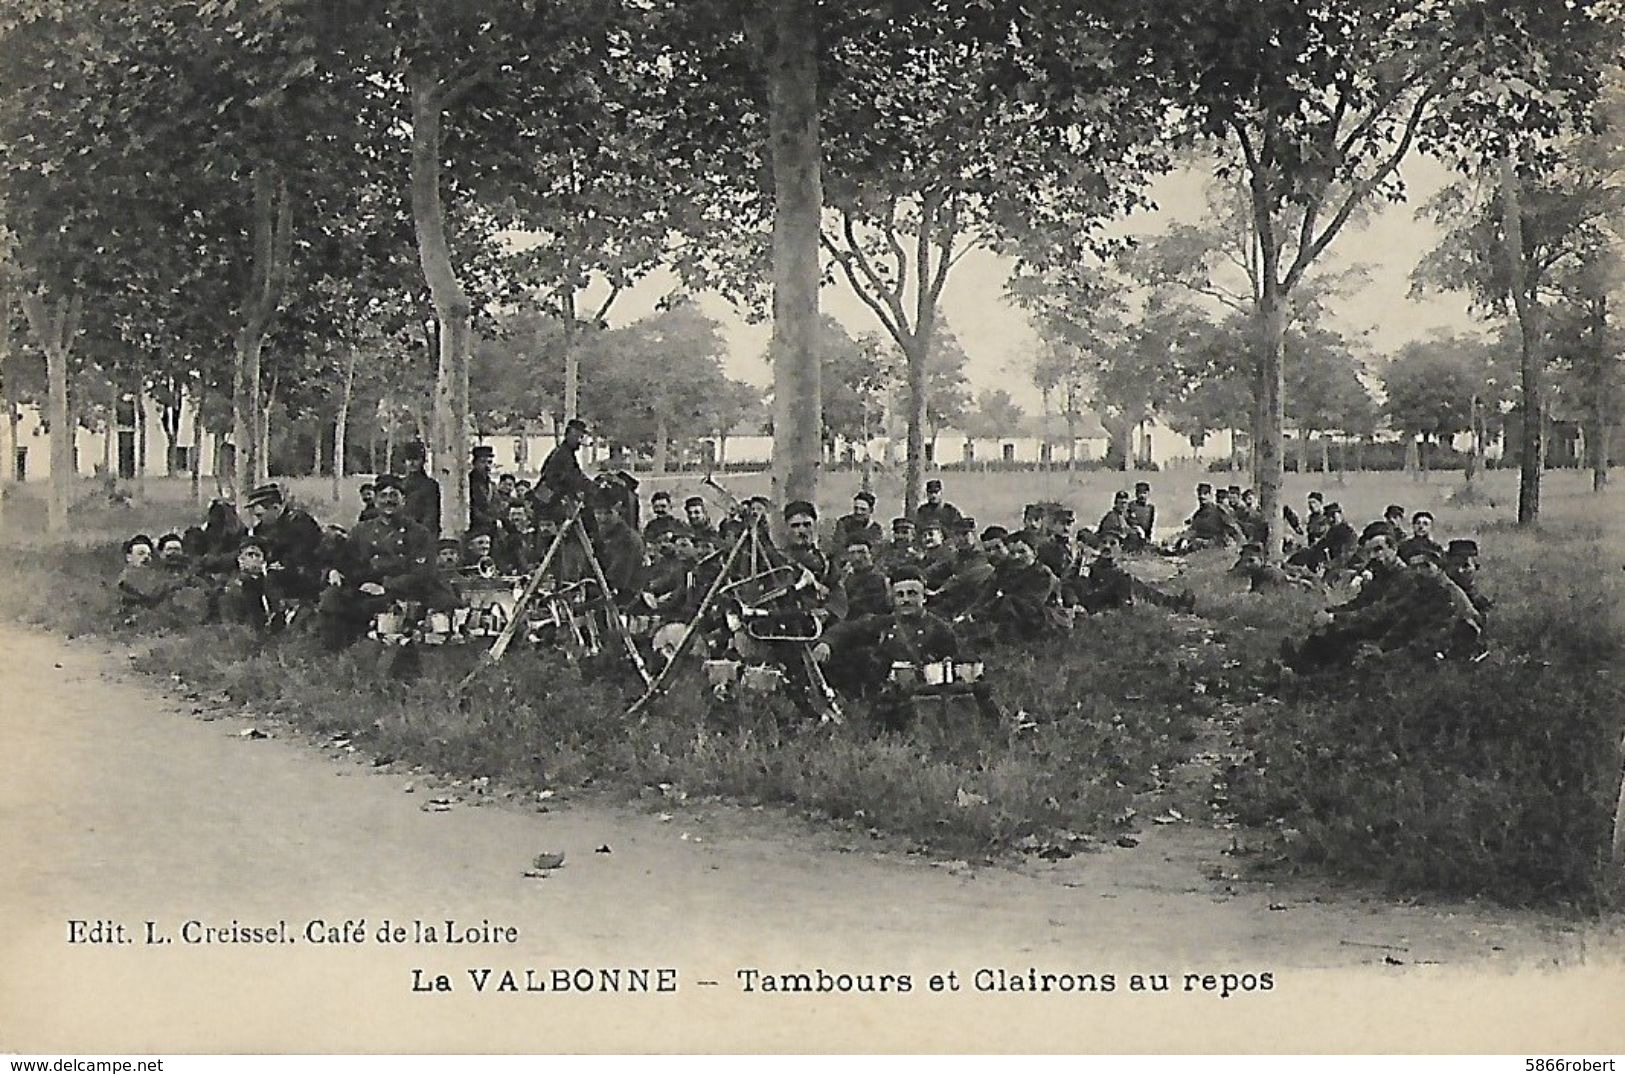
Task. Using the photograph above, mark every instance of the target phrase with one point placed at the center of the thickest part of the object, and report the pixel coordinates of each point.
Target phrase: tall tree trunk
(1269, 471)
(273, 246)
(1325, 455)
(55, 333)
(195, 460)
(1602, 446)
(450, 434)
(262, 434)
(789, 29)
(1523, 301)
(8, 464)
(140, 411)
(662, 438)
(572, 357)
(341, 423)
(1475, 452)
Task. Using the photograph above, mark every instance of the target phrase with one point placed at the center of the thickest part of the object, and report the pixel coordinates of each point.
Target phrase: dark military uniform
(423, 500)
(895, 555)
(1412, 545)
(945, 515)
(254, 600)
(967, 585)
(1019, 599)
(621, 555)
(516, 551)
(848, 527)
(867, 593)
(1114, 523)
(1142, 520)
(395, 553)
(294, 540)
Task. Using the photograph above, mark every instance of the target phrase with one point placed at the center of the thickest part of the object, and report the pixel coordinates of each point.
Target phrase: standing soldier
(369, 502)
(422, 491)
(292, 541)
(483, 513)
(562, 480)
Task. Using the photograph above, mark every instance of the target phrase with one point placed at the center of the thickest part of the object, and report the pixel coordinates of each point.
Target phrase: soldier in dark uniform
(422, 491)
(936, 558)
(1210, 525)
(1054, 547)
(1263, 576)
(1421, 536)
(254, 597)
(1335, 547)
(699, 520)
(1461, 564)
(1032, 524)
(860, 523)
(910, 634)
(1108, 585)
(1435, 619)
(661, 521)
(801, 519)
(621, 552)
(970, 575)
(1115, 522)
(369, 502)
(394, 560)
(934, 509)
(518, 543)
(562, 481)
(483, 509)
(901, 550)
(867, 591)
(1314, 523)
(1021, 593)
(1392, 523)
(141, 584)
(992, 542)
(1142, 518)
(292, 540)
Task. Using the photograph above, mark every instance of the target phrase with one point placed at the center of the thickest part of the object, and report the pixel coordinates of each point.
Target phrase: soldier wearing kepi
(1421, 536)
(908, 635)
(394, 560)
(483, 510)
(562, 481)
(900, 551)
(292, 541)
(661, 521)
(1461, 564)
(934, 509)
(1142, 518)
(422, 492)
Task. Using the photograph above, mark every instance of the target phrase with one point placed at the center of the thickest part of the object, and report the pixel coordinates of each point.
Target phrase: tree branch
(897, 331)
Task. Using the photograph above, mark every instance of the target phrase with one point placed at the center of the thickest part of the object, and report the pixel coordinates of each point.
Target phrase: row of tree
(249, 200)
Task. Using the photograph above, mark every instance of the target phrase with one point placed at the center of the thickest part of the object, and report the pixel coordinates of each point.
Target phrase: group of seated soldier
(936, 587)
(1415, 599)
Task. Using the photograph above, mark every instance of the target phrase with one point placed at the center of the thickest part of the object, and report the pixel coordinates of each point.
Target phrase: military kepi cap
(271, 493)
(1462, 546)
(799, 509)
(933, 485)
(387, 481)
(484, 451)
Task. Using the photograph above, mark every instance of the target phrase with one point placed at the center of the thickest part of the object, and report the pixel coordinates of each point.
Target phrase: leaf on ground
(603, 849)
(548, 861)
(1127, 842)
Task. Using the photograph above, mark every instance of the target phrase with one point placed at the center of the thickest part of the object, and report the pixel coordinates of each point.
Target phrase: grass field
(1497, 778)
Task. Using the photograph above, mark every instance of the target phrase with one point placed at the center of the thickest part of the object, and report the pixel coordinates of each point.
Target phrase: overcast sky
(998, 339)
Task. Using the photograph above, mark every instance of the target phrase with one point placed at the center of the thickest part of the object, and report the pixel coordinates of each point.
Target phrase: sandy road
(119, 804)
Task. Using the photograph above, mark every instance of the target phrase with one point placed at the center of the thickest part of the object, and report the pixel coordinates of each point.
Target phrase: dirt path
(120, 804)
